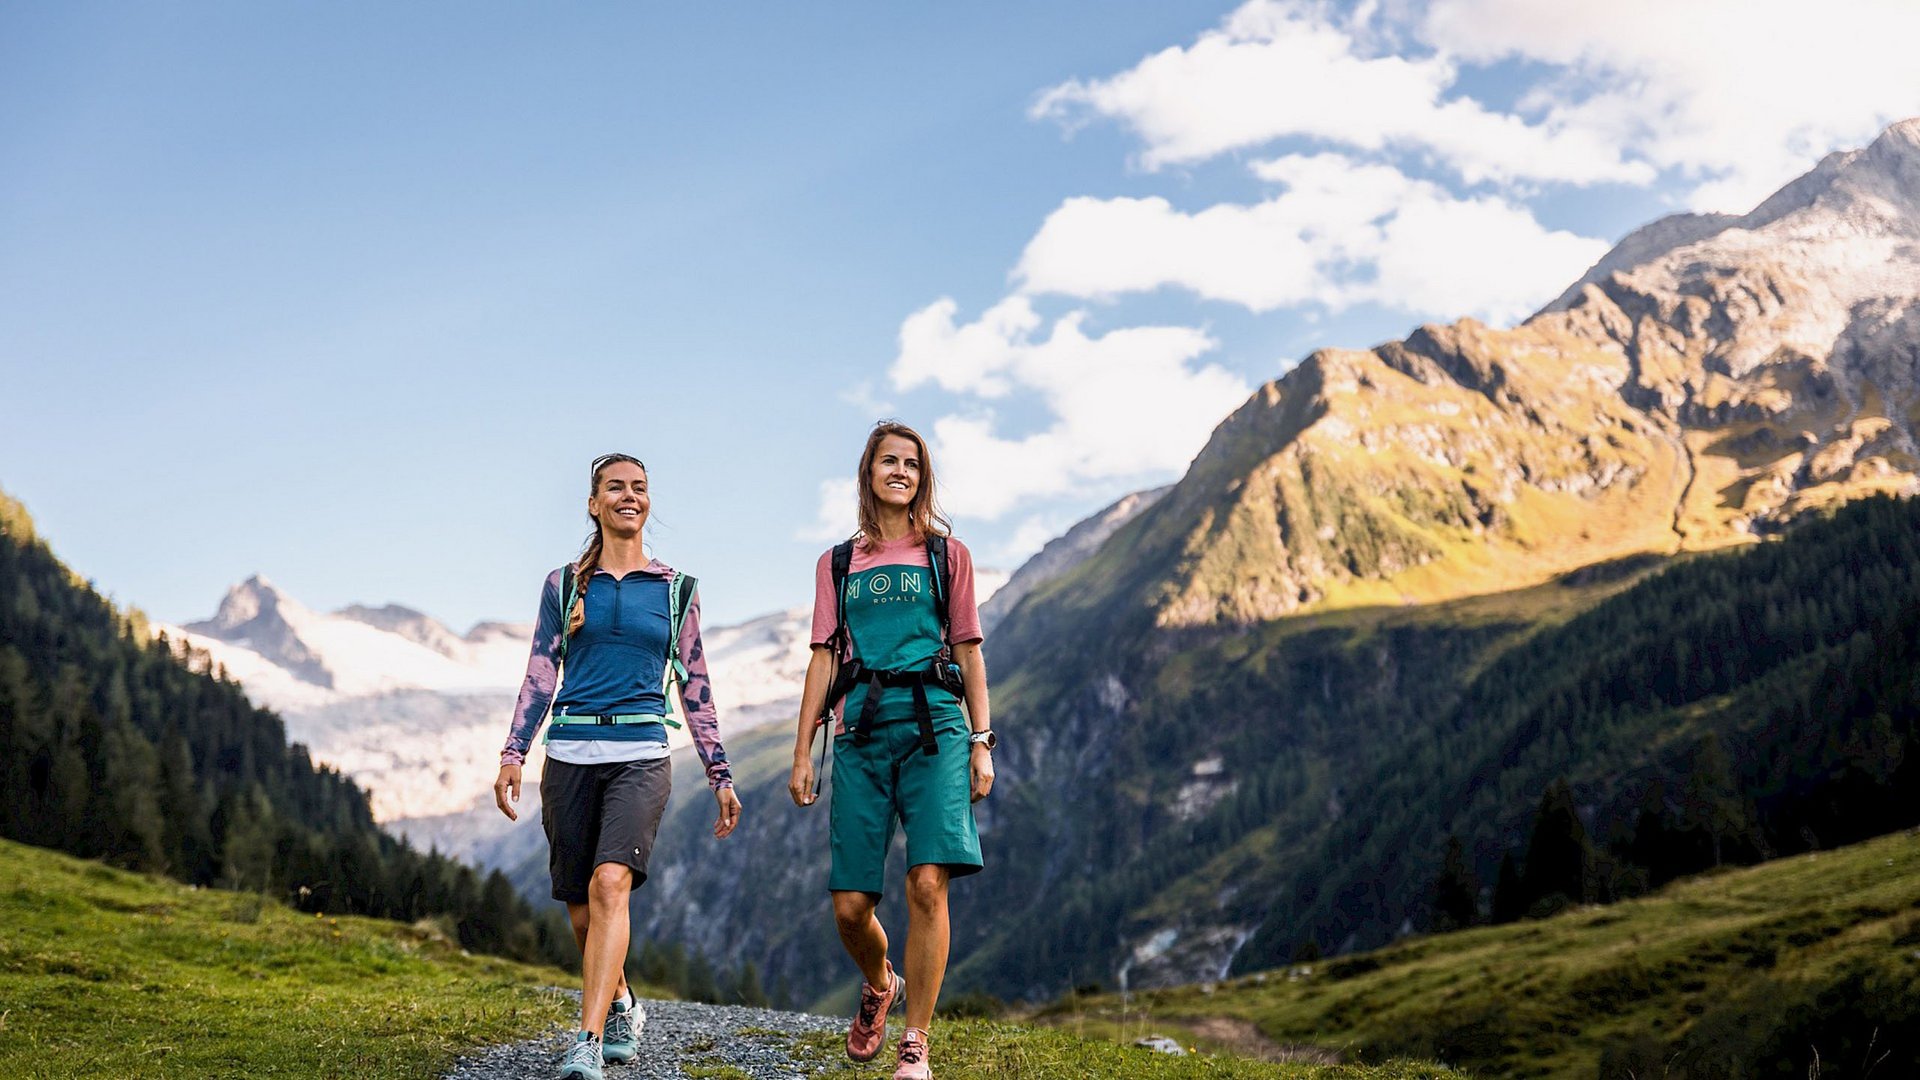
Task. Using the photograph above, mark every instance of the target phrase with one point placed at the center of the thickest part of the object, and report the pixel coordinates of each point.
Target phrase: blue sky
(349, 294)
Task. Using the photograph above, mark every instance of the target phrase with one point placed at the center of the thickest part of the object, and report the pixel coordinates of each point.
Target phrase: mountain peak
(1901, 137)
(257, 615)
(243, 604)
(1815, 223)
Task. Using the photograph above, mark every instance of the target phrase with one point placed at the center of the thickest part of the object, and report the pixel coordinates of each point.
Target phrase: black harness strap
(941, 672)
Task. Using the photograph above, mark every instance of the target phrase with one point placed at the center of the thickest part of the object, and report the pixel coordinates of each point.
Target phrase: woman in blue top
(608, 618)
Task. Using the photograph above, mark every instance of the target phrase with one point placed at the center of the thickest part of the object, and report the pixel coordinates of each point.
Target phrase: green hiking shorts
(891, 779)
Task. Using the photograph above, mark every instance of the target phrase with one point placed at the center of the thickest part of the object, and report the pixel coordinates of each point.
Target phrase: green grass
(987, 1050)
(104, 973)
(107, 973)
(1546, 998)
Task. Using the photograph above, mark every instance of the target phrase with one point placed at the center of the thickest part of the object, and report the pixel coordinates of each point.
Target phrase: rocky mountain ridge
(1709, 380)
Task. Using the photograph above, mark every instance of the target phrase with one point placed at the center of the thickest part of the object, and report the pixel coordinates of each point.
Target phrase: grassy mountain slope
(1743, 973)
(111, 974)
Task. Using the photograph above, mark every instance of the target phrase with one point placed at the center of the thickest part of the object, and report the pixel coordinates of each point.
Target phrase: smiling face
(620, 501)
(895, 474)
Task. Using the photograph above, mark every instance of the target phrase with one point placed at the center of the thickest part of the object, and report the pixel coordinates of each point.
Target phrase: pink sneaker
(868, 1032)
(913, 1057)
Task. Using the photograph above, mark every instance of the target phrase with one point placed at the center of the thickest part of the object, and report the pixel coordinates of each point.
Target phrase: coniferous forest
(113, 747)
(1733, 708)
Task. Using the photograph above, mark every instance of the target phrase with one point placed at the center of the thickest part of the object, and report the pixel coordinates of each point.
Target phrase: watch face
(985, 738)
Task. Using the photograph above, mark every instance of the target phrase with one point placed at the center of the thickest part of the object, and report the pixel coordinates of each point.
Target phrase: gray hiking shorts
(605, 813)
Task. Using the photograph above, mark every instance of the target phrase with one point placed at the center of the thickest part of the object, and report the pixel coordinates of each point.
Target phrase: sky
(349, 294)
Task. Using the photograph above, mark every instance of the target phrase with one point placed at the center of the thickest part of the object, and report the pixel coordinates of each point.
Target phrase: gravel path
(677, 1033)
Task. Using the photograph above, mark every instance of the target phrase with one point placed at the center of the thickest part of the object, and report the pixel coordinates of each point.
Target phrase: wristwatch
(987, 737)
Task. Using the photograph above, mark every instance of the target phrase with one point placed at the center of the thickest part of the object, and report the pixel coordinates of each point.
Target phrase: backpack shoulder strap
(567, 597)
(842, 563)
(679, 595)
(937, 562)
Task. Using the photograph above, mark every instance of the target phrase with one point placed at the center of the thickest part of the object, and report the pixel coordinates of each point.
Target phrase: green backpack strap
(679, 595)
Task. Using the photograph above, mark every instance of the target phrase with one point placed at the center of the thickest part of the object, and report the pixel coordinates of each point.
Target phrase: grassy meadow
(1773, 963)
(113, 974)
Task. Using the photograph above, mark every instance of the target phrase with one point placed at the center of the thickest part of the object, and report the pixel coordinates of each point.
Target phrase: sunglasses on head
(605, 460)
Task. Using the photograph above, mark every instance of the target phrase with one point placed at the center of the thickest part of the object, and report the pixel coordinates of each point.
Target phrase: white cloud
(1127, 403)
(1741, 95)
(1735, 96)
(1341, 233)
(1286, 68)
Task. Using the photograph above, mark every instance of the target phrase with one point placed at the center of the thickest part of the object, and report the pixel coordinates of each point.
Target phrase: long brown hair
(924, 515)
(589, 560)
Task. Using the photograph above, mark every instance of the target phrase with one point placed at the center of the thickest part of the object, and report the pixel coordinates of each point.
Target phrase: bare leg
(603, 951)
(861, 933)
(927, 939)
(577, 915)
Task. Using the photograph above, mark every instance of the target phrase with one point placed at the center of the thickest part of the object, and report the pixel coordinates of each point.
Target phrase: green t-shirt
(892, 620)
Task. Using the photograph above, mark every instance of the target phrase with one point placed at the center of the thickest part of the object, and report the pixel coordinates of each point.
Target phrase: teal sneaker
(622, 1036)
(582, 1059)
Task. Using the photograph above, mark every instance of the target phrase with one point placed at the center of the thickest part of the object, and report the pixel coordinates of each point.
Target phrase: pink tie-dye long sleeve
(696, 700)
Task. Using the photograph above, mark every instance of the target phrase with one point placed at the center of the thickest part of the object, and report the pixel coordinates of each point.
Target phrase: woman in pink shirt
(896, 648)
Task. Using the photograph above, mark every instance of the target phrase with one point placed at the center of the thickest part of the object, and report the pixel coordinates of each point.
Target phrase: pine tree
(1456, 894)
(1713, 804)
(1509, 900)
(185, 836)
(1559, 856)
(746, 989)
(701, 983)
(133, 824)
(247, 848)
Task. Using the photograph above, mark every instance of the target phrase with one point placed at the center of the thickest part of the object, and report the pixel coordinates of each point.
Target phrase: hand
(729, 812)
(800, 784)
(982, 771)
(505, 785)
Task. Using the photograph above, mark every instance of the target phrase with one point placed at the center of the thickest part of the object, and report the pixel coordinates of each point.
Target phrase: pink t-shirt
(963, 615)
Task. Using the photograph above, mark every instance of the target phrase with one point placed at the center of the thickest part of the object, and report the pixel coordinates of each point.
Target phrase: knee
(927, 888)
(852, 910)
(610, 885)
